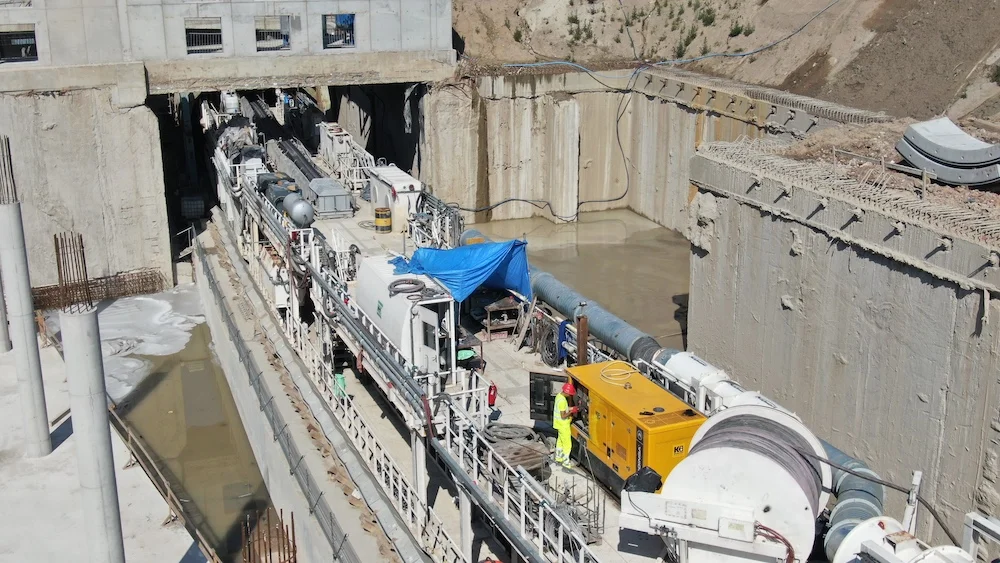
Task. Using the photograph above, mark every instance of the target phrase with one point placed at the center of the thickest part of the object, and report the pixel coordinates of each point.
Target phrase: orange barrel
(383, 220)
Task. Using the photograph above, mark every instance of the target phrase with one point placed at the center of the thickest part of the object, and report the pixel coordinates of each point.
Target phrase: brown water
(630, 265)
(185, 413)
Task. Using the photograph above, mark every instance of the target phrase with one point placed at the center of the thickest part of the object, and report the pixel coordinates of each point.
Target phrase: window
(17, 43)
(273, 32)
(203, 35)
(338, 31)
(430, 336)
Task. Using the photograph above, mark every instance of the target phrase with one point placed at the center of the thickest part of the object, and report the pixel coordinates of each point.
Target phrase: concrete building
(76, 75)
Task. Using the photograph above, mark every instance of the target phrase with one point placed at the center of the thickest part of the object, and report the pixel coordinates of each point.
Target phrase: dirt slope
(906, 57)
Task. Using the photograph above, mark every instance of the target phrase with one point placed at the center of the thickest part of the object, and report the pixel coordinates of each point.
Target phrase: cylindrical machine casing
(299, 211)
(744, 466)
(95, 458)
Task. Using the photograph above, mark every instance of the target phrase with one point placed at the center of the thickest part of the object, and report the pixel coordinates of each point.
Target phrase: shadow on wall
(457, 42)
(386, 119)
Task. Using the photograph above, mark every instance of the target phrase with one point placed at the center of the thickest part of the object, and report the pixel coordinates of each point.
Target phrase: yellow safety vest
(558, 422)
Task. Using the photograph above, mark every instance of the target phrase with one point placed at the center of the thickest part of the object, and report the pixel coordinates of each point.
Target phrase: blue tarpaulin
(500, 265)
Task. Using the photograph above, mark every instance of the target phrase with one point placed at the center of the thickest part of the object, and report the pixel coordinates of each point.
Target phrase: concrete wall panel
(67, 37)
(103, 35)
(386, 27)
(450, 140)
(148, 37)
(881, 358)
(416, 24)
(106, 181)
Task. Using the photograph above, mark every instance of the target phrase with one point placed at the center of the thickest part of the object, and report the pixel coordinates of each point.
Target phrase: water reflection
(630, 265)
(186, 415)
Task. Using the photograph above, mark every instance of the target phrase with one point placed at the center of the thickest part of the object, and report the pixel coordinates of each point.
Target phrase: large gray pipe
(610, 329)
(94, 457)
(858, 499)
(23, 332)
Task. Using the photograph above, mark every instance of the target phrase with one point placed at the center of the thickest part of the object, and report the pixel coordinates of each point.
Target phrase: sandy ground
(42, 518)
(879, 141)
(906, 57)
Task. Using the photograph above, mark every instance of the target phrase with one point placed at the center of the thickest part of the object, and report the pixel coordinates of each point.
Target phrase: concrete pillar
(94, 457)
(465, 517)
(419, 450)
(20, 314)
(4, 331)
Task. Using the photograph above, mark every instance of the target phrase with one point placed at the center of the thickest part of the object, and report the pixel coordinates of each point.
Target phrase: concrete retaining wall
(83, 164)
(571, 138)
(884, 346)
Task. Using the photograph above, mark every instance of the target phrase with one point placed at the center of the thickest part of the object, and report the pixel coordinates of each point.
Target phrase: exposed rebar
(71, 264)
(8, 190)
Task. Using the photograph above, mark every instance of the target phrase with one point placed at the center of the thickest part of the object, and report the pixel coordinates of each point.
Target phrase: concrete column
(465, 517)
(419, 450)
(20, 313)
(4, 331)
(94, 457)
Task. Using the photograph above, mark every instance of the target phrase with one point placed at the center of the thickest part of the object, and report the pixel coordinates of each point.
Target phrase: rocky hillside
(906, 57)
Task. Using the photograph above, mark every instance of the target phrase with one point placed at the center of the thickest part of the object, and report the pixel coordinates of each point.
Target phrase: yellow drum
(383, 220)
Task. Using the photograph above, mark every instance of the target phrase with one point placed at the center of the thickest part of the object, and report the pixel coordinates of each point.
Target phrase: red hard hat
(568, 389)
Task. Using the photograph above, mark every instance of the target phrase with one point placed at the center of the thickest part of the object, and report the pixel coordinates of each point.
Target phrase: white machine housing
(422, 331)
(712, 500)
(885, 540)
(395, 189)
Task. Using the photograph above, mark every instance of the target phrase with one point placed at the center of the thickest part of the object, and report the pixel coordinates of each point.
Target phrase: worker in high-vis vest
(562, 419)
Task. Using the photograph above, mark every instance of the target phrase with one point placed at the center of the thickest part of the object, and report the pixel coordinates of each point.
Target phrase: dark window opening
(273, 33)
(338, 31)
(203, 35)
(17, 43)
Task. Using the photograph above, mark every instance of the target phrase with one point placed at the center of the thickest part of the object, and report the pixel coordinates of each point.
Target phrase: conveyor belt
(300, 158)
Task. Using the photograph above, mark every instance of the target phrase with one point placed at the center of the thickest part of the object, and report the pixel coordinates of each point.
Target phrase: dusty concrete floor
(42, 518)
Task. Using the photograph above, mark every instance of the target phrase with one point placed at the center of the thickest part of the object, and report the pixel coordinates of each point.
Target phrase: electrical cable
(774, 535)
(618, 376)
(900, 488)
(623, 103)
(546, 204)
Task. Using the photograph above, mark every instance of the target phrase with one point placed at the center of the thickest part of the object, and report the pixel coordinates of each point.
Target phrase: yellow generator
(625, 422)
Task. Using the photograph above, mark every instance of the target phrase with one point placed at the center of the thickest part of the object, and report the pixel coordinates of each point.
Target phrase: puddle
(186, 415)
(630, 265)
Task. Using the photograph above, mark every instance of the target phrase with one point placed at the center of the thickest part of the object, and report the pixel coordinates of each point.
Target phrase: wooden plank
(524, 321)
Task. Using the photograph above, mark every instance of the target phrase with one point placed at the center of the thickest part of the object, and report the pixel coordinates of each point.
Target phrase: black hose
(496, 431)
(406, 285)
(887, 484)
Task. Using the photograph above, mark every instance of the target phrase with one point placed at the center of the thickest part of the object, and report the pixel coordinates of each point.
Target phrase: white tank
(230, 103)
(890, 535)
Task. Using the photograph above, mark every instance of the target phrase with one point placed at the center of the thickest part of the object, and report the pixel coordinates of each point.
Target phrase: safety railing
(318, 506)
(523, 505)
(203, 41)
(421, 519)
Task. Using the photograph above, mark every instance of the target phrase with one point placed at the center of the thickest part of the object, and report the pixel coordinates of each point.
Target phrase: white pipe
(4, 331)
(94, 457)
(20, 312)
